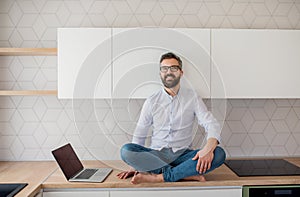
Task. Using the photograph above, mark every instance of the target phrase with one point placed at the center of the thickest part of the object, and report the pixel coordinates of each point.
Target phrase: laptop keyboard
(87, 173)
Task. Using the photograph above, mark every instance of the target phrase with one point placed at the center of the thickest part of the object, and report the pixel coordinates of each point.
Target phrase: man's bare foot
(199, 178)
(147, 178)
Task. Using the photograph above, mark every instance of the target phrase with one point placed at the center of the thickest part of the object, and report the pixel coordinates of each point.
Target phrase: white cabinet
(40, 194)
(217, 63)
(195, 53)
(136, 55)
(124, 62)
(237, 192)
(84, 62)
(255, 63)
(146, 192)
(75, 193)
(135, 63)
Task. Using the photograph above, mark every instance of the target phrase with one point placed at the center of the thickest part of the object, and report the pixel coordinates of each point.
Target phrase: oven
(272, 191)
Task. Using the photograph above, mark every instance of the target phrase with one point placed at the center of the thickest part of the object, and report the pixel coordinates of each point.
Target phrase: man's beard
(170, 84)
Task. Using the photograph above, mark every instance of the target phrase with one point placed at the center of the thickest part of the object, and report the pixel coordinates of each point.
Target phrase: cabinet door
(84, 62)
(196, 59)
(255, 63)
(135, 63)
(179, 193)
(76, 193)
(40, 194)
(136, 55)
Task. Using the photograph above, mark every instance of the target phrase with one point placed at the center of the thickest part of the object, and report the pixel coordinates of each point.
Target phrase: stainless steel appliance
(272, 191)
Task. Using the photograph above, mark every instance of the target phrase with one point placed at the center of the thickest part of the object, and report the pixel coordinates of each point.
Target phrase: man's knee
(131, 147)
(220, 155)
(127, 151)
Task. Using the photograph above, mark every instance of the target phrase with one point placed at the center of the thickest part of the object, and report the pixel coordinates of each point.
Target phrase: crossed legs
(165, 165)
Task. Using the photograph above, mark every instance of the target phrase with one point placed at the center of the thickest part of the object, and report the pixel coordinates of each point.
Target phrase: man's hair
(170, 55)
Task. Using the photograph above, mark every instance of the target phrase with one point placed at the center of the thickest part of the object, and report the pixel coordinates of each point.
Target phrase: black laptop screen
(67, 160)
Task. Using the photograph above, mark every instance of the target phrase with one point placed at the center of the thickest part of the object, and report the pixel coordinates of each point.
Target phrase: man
(171, 112)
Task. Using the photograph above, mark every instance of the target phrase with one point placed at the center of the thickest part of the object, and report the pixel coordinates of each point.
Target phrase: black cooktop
(263, 167)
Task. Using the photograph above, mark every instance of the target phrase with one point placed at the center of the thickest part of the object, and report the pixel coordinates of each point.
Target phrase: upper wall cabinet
(135, 63)
(136, 55)
(255, 63)
(218, 63)
(84, 63)
(124, 62)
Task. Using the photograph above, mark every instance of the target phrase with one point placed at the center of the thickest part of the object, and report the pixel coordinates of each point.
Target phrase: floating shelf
(27, 51)
(27, 92)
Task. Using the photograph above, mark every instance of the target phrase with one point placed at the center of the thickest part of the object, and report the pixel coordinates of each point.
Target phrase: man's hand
(204, 160)
(206, 155)
(126, 174)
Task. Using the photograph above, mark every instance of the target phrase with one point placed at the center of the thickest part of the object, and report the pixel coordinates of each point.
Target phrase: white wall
(31, 126)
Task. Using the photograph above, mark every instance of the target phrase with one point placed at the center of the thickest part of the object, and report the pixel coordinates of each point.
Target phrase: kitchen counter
(40, 175)
(33, 173)
(222, 176)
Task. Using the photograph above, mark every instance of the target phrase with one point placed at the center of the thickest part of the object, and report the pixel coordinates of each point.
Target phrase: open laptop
(73, 169)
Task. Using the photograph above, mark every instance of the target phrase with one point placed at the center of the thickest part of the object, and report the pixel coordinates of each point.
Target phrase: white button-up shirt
(172, 120)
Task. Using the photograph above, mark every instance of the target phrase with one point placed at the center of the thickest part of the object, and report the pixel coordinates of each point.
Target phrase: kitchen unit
(224, 63)
(222, 180)
(46, 179)
(229, 191)
(127, 54)
(255, 63)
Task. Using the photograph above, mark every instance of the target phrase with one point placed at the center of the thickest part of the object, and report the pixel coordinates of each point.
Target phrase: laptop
(73, 169)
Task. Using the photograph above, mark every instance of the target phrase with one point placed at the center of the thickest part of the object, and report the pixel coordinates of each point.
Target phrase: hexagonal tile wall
(31, 126)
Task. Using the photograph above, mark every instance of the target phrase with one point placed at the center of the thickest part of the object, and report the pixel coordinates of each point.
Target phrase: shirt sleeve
(144, 123)
(207, 120)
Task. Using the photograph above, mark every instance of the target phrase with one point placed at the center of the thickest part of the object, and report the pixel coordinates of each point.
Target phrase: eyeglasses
(173, 68)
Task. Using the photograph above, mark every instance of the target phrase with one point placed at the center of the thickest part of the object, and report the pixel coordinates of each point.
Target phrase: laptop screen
(67, 160)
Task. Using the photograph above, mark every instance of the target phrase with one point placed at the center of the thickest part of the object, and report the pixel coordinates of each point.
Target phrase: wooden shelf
(27, 92)
(27, 51)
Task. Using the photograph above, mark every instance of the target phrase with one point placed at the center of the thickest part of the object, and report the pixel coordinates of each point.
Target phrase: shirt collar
(167, 94)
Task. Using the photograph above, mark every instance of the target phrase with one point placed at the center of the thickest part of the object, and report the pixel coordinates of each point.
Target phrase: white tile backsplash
(259, 113)
(28, 137)
(28, 129)
(31, 126)
(280, 126)
(291, 145)
(258, 139)
(258, 126)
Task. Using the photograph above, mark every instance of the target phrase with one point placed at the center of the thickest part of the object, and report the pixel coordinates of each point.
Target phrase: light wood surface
(222, 176)
(27, 51)
(46, 174)
(33, 173)
(27, 92)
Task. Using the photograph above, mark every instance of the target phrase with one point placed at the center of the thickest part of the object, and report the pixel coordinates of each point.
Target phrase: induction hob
(262, 167)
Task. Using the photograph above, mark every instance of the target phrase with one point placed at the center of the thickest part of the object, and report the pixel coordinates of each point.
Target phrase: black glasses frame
(173, 68)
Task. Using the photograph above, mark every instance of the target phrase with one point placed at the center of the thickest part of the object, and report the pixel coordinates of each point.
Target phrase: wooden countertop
(222, 176)
(46, 174)
(33, 173)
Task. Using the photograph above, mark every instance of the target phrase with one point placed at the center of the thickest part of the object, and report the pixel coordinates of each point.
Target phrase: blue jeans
(173, 166)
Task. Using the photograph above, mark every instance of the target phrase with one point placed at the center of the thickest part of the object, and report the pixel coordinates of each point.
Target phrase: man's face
(170, 78)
